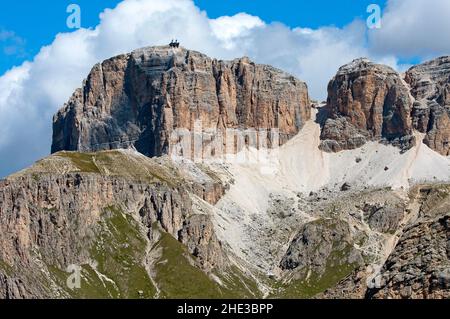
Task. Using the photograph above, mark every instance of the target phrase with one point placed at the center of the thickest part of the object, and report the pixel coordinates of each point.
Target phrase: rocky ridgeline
(372, 102)
(140, 98)
(50, 216)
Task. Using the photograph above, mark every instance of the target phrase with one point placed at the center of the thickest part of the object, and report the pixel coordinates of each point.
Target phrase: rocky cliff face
(418, 265)
(75, 209)
(140, 98)
(430, 86)
(316, 242)
(367, 102)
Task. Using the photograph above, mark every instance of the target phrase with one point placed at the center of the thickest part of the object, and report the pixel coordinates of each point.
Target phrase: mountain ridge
(334, 217)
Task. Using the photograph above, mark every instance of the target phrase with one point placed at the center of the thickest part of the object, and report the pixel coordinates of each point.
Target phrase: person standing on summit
(174, 44)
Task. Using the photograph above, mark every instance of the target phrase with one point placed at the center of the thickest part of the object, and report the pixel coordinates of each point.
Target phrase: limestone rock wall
(366, 102)
(138, 99)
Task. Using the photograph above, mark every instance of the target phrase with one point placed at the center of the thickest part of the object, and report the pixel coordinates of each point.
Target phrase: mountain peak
(139, 99)
(367, 101)
(364, 64)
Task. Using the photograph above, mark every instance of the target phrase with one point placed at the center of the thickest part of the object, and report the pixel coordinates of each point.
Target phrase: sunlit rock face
(367, 102)
(138, 99)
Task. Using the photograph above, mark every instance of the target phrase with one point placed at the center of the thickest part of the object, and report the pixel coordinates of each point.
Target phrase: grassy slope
(307, 288)
(178, 278)
(119, 252)
(126, 164)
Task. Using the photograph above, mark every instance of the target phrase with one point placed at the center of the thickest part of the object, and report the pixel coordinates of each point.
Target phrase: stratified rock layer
(430, 86)
(366, 102)
(138, 99)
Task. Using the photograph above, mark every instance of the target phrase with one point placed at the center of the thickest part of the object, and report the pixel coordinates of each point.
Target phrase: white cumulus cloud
(228, 28)
(413, 28)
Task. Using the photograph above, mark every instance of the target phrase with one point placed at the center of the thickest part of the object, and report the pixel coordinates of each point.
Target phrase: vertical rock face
(140, 98)
(430, 86)
(199, 236)
(366, 101)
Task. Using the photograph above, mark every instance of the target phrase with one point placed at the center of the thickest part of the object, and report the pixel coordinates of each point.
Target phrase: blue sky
(294, 13)
(36, 23)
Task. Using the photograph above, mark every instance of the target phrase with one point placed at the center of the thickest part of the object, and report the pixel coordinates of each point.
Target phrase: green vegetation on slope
(118, 255)
(120, 252)
(177, 277)
(5, 268)
(316, 283)
(83, 161)
(239, 285)
(121, 164)
(308, 282)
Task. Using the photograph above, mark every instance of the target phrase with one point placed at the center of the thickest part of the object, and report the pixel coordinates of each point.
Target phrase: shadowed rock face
(366, 102)
(430, 86)
(138, 99)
